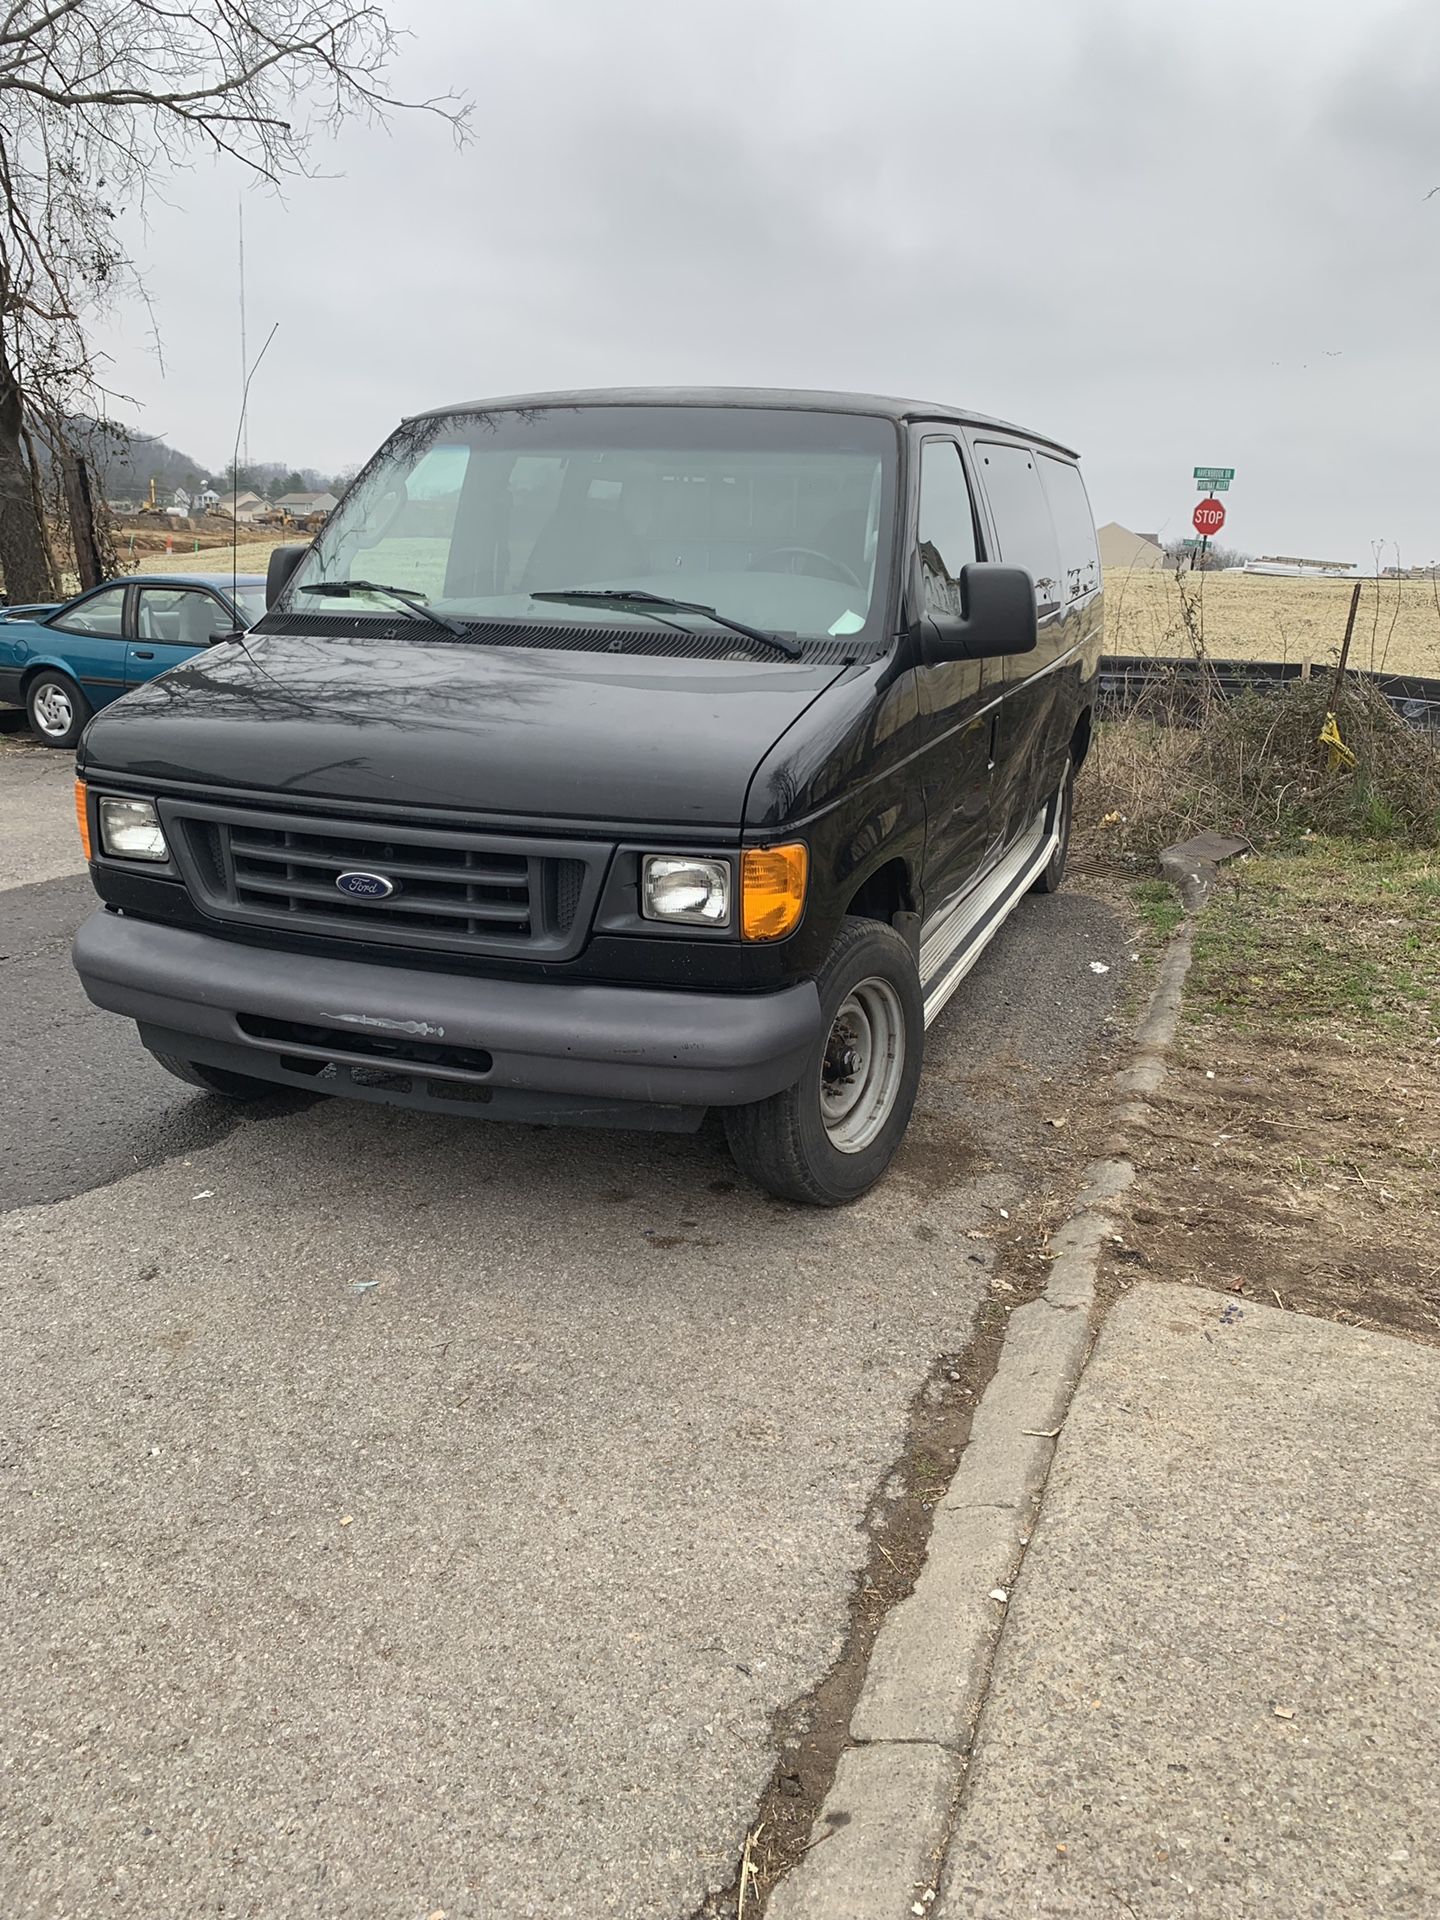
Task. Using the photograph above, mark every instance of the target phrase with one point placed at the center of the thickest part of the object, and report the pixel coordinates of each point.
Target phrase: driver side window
(181, 616)
(946, 526)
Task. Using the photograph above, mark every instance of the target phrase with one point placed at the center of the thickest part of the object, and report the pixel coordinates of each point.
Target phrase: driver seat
(200, 619)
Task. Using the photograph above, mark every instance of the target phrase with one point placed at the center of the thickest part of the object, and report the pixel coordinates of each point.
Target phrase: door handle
(144, 653)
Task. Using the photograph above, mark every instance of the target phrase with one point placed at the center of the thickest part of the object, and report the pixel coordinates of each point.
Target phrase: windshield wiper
(642, 602)
(412, 602)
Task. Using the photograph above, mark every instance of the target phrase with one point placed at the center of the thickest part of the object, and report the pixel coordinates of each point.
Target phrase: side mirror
(999, 616)
(283, 562)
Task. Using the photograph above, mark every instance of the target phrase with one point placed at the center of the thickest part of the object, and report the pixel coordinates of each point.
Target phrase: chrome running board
(950, 946)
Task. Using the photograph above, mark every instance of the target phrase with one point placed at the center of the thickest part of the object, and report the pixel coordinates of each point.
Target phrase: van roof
(886, 407)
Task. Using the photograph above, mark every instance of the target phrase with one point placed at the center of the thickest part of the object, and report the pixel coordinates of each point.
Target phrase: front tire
(829, 1138)
(56, 708)
(230, 1086)
(1060, 812)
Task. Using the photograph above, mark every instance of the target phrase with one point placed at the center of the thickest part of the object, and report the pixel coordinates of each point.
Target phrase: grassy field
(415, 563)
(253, 557)
(1253, 617)
(1338, 938)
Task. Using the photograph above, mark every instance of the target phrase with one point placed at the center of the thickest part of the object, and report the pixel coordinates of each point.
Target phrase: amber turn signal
(772, 890)
(82, 816)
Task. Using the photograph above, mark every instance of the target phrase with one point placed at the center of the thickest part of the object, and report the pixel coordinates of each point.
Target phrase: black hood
(473, 727)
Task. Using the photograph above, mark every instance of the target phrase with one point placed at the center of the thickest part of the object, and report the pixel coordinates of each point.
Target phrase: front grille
(450, 890)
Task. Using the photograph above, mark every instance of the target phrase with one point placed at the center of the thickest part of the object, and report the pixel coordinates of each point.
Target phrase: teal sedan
(62, 662)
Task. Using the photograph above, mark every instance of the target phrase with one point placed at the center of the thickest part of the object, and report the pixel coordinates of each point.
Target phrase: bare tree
(98, 98)
(1215, 558)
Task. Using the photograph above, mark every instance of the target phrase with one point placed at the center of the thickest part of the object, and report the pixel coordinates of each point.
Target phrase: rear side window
(1022, 517)
(946, 526)
(101, 614)
(1070, 510)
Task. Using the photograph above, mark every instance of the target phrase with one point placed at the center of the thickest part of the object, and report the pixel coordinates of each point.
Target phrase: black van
(610, 757)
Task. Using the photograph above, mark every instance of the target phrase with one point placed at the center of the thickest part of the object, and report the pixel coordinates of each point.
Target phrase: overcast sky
(1169, 235)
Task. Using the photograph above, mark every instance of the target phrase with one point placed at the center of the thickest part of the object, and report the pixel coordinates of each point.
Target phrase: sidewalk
(1217, 1691)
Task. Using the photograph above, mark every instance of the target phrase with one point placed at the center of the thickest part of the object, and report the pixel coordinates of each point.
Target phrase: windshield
(252, 603)
(778, 519)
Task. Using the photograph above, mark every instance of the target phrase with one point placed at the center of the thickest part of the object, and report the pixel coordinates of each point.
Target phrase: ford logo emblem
(365, 886)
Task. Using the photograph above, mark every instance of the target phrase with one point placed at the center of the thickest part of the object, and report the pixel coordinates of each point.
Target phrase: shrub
(1253, 766)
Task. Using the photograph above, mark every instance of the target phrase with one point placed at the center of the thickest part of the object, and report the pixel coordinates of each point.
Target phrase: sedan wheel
(57, 709)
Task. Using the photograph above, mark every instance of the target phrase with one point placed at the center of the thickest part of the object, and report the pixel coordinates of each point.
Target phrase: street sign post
(1209, 515)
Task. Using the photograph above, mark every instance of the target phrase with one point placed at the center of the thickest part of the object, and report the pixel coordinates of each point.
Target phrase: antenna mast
(244, 351)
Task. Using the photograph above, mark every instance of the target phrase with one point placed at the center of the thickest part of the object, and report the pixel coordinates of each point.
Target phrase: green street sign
(1214, 473)
(1212, 486)
(1190, 543)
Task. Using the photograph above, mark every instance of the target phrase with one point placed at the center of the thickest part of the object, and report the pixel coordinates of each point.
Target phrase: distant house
(242, 507)
(207, 500)
(1121, 549)
(302, 503)
(180, 501)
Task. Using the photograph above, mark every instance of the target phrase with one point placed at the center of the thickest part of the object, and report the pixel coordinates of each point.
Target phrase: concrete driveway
(410, 1517)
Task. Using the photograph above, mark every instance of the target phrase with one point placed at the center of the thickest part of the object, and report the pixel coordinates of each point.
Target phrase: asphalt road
(409, 1516)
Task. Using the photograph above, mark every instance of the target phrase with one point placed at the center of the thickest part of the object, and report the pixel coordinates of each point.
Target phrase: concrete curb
(880, 1837)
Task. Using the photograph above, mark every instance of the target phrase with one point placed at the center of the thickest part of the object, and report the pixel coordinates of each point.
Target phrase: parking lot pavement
(40, 839)
(80, 1103)
(411, 1516)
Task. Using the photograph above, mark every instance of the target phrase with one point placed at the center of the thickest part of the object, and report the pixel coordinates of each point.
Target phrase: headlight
(131, 830)
(694, 892)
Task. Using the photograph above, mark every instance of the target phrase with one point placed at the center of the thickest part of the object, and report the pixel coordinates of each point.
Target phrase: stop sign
(1209, 517)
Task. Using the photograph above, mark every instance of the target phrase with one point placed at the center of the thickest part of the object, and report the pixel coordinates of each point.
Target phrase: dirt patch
(1292, 1153)
(1301, 1177)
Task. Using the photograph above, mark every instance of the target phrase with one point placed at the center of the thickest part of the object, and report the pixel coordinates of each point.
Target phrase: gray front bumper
(579, 1043)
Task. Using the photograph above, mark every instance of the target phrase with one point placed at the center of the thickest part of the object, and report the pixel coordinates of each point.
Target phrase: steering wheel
(834, 569)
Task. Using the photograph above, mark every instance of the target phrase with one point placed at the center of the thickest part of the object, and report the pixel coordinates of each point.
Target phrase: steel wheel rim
(53, 711)
(863, 1064)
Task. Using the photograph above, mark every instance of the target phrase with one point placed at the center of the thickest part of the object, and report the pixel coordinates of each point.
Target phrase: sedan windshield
(777, 520)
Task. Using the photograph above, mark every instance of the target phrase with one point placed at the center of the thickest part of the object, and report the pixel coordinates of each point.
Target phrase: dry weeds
(1254, 766)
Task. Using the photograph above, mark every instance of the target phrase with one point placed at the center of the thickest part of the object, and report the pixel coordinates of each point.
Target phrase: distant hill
(125, 464)
(125, 461)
